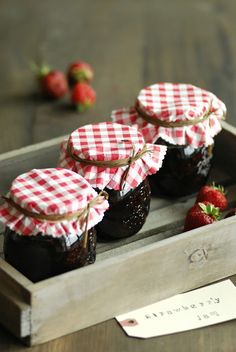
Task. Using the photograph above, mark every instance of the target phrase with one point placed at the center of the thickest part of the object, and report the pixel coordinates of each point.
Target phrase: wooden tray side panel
(15, 315)
(41, 155)
(117, 285)
(15, 298)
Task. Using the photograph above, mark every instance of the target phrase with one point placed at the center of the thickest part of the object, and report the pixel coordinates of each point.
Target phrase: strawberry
(213, 194)
(83, 96)
(79, 71)
(53, 83)
(231, 212)
(201, 214)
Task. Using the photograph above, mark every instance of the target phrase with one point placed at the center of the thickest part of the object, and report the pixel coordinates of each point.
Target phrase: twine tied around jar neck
(112, 163)
(54, 218)
(172, 124)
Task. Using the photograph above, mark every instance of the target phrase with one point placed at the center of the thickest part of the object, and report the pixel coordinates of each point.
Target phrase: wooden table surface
(130, 44)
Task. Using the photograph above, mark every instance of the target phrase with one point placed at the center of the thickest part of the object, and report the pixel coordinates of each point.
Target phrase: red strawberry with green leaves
(213, 194)
(83, 96)
(201, 214)
(80, 71)
(53, 83)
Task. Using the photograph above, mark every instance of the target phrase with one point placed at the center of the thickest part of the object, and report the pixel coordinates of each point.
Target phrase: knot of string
(54, 218)
(112, 163)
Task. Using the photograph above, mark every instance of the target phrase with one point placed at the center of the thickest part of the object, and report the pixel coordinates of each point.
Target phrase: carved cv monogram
(198, 255)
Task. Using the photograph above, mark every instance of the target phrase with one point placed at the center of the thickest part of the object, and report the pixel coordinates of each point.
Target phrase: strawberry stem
(210, 210)
(218, 188)
(40, 70)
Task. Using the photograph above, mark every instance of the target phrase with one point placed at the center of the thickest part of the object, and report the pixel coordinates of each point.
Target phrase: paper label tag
(202, 307)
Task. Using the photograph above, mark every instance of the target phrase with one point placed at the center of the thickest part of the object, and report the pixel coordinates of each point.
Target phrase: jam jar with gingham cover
(49, 217)
(186, 119)
(115, 158)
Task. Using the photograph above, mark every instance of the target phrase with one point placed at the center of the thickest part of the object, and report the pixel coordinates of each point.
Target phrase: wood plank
(130, 45)
(41, 155)
(33, 119)
(15, 298)
(15, 315)
(98, 292)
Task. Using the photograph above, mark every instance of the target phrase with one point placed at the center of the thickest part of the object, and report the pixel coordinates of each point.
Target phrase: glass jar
(115, 158)
(39, 257)
(50, 217)
(186, 119)
(184, 171)
(127, 213)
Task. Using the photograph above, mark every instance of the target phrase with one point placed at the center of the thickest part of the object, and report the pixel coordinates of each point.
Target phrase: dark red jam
(40, 257)
(185, 169)
(126, 214)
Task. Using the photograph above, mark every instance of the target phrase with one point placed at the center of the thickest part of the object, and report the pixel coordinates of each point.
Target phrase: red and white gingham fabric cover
(51, 191)
(111, 141)
(175, 102)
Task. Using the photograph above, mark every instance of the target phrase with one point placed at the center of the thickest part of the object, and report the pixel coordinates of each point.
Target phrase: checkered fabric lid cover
(51, 192)
(110, 141)
(174, 102)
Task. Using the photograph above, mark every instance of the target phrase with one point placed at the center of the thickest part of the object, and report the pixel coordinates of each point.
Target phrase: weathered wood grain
(15, 300)
(120, 267)
(130, 44)
(149, 273)
(14, 163)
(15, 315)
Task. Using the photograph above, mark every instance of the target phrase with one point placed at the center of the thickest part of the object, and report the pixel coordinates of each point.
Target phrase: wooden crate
(158, 262)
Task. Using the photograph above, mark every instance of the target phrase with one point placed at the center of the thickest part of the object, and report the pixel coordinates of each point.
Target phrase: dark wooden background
(130, 44)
